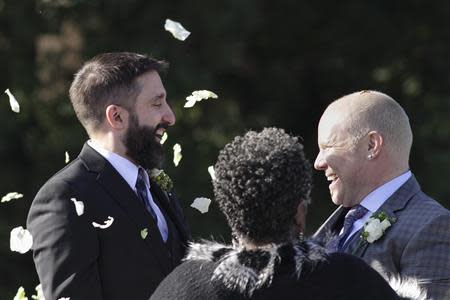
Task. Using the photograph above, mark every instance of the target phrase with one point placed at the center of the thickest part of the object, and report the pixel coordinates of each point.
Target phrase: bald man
(364, 143)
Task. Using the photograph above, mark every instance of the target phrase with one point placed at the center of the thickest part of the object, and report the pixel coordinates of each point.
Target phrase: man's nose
(319, 163)
(169, 116)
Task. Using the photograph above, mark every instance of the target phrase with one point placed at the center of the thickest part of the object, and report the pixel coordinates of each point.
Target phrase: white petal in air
(176, 29)
(198, 96)
(20, 294)
(67, 157)
(106, 224)
(15, 107)
(20, 240)
(39, 293)
(163, 138)
(64, 298)
(144, 233)
(79, 206)
(177, 154)
(202, 204)
(11, 196)
(211, 172)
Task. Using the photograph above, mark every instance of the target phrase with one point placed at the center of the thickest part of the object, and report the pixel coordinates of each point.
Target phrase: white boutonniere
(161, 179)
(376, 226)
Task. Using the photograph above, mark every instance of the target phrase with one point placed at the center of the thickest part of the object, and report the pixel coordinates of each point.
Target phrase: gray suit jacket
(416, 245)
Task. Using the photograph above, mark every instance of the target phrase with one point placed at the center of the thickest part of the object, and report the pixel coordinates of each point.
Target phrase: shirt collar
(376, 198)
(126, 169)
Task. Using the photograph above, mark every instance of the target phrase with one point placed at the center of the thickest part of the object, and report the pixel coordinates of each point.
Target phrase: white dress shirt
(129, 172)
(376, 198)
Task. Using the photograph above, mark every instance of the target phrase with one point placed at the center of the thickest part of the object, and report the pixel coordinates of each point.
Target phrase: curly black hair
(261, 178)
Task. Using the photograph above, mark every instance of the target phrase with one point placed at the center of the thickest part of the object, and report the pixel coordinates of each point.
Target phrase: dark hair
(261, 178)
(108, 78)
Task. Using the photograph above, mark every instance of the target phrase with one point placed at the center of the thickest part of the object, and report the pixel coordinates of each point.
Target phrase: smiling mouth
(333, 178)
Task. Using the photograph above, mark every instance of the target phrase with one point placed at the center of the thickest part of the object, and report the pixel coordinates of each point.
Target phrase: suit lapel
(333, 224)
(397, 202)
(164, 201)
(125, 197)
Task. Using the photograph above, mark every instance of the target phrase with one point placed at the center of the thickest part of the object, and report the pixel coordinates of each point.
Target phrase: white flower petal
(176, 29)
(20, 295)
(64, 298)
(164, 138)
(144, 233)
(20, 240)
(106, 224)
(15, 107)
(11, 196)
(385, 224)
(198, 96)
(67, 157)
(79, 206)
(202, 204)
(177, 154)
(212, 173)
(39, 293)
(190, 101)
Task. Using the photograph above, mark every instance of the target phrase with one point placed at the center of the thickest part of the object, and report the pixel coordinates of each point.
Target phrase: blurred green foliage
(272, 63)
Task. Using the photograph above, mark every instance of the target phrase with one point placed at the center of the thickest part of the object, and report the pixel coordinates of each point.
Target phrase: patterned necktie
(141, 190)
(354, 214)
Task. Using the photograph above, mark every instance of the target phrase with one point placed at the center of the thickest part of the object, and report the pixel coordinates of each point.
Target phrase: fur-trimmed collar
(248, 270)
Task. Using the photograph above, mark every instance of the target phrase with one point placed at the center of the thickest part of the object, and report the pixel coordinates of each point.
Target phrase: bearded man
(102, 228)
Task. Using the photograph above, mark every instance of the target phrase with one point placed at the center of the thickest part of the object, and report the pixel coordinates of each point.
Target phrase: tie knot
(140, 182)
(356, 213)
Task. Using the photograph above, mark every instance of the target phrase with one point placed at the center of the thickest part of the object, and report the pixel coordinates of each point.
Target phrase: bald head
(365, 111)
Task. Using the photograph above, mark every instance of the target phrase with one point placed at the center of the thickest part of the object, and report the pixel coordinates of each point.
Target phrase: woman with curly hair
(262, 185)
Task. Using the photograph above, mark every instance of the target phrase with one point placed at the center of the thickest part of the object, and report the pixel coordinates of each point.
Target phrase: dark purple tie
(141, 190)
(354, 214)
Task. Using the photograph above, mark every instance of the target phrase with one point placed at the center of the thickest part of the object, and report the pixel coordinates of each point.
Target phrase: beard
(142, 146)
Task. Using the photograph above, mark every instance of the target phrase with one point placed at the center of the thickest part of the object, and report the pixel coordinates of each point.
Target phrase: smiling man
(364, 144)
(121, 102)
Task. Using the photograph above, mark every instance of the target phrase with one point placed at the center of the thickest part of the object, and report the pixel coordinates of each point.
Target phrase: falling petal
(20, 240)
(11, 196)
(164, 138)
(191, 100)
(39, 293)
(64, 298)
(67, 157)
(144, 233)
(177, 154)
(202, 204)
(211, 172)
(15, 107)
(79, 206)
(176, 29)
(20, 294)
(198, 96)
(106, 224)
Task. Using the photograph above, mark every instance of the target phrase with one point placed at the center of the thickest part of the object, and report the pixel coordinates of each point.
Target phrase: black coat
(74, 259)
(298, 270)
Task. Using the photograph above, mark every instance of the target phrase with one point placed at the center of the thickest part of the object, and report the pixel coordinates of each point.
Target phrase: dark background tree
(272, 63)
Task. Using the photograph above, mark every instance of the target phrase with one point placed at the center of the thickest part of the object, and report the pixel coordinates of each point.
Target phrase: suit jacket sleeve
(428, 254)
(65, 246)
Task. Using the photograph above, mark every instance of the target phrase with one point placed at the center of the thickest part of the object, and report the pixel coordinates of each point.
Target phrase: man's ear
(376, 143)
(116, 117)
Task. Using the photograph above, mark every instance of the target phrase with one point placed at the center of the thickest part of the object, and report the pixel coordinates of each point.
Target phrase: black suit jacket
(74, 259)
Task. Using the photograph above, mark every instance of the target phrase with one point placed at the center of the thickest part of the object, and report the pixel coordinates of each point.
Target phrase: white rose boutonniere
(376, 226)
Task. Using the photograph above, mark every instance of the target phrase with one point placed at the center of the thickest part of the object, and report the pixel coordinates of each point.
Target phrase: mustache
(162, 125)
